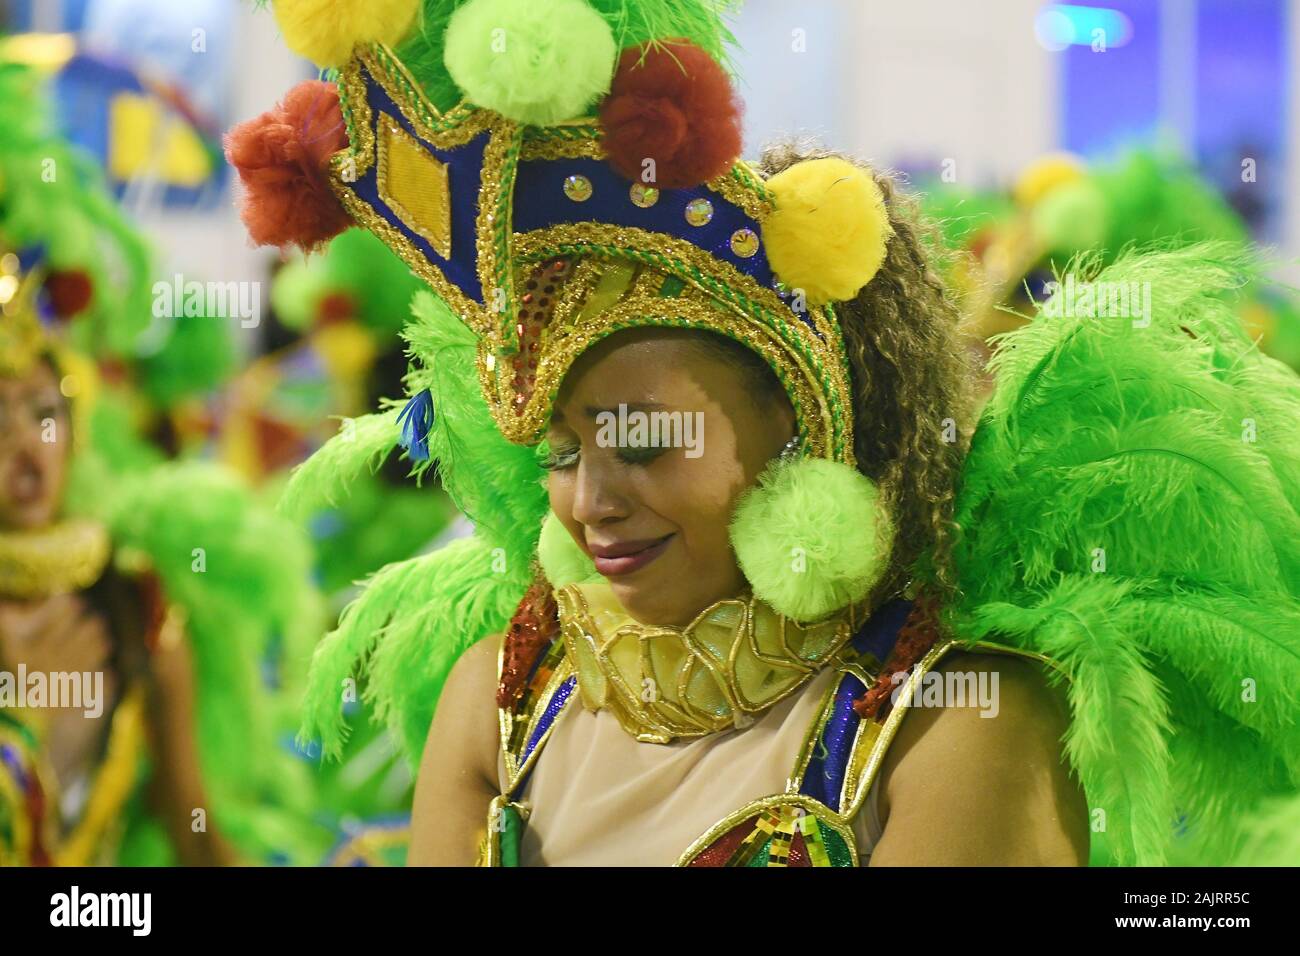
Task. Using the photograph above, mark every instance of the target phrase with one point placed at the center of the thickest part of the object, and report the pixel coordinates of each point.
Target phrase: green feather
(207, 539)
(361, 445)
(412, 620)
(1168, 449)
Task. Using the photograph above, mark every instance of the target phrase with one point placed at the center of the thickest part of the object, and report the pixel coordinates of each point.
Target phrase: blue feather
(417, 420)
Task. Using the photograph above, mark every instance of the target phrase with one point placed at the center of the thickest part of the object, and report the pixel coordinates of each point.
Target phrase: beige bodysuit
(599, 797)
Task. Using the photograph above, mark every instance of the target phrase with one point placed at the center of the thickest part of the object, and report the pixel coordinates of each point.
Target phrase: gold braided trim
(737, 658)
(64, 557)
(508, 723)
(558, 353)
(743, 186)
(495, 227)
(824, 815)
(814, 370)
(577, 140)
(873, 739)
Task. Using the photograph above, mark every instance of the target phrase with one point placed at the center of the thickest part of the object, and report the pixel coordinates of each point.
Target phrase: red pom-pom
(674, 104)
(282, 157)
(69, 292)
(336, 307)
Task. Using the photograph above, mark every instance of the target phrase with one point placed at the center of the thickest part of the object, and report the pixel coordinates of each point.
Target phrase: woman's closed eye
(562, 457)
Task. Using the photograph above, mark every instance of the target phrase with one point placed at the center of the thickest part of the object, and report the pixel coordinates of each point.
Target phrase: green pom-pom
(536, 63)
(1072, 218)
(562, 560)
(297, 292)
(812, 537)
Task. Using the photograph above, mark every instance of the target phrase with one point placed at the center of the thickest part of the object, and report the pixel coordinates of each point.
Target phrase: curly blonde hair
(911, 379)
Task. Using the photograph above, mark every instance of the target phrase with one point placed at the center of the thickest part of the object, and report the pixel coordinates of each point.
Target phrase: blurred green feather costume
(1129, 509)
(226, 575)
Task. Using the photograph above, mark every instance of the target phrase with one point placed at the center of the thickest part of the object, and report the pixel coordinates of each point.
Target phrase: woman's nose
(599, 496)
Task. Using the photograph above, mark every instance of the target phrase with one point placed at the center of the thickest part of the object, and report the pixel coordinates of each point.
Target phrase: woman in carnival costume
(147, 585)
(728, 651)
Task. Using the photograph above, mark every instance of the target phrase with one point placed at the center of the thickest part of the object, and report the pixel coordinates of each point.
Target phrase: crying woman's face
(655, 518)
(35, 434)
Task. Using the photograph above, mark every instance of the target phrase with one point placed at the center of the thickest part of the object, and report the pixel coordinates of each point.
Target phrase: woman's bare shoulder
(458, 771)
(978, 775)
(471, 684)
(465, 722)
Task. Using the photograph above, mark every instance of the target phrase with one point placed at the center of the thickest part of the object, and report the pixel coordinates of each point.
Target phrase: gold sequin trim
(741, 306)
(742, 186)
(516, 770)
(873, 739)
(814, 418)
(579, 140)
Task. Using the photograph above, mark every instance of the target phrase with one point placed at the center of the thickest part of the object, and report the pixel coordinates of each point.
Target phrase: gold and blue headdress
(558, 170)
(562, 190)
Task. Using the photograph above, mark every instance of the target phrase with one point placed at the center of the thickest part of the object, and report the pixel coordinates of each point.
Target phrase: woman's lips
(627, 563)
(26, 482)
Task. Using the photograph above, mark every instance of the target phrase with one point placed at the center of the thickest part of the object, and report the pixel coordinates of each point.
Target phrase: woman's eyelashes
(563, 457)
(560, 458)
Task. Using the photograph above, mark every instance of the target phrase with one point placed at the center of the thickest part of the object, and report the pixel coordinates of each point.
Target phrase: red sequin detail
(915, 638)
(535, 624)
(724, 847)
(798, 852)
(535, 314)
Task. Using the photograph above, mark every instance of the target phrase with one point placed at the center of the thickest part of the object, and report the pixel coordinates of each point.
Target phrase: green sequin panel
(836, 848)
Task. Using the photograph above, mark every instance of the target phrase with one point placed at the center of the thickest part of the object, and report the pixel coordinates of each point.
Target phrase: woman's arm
(458, 772)
(960, 789)
(176, 788)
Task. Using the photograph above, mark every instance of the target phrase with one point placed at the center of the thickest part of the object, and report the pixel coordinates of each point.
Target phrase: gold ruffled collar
(61, 558)
(736, 659)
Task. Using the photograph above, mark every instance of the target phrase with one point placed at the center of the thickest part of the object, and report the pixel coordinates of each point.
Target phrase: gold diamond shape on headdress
(415, 186)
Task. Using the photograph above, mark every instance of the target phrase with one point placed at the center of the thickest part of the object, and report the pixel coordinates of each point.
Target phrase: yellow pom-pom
(1044, 175)
(325, 31)
(828, 230)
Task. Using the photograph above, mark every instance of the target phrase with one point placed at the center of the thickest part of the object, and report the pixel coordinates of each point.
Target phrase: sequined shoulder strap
(862, 718)
(840, 731)
(536, 681)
